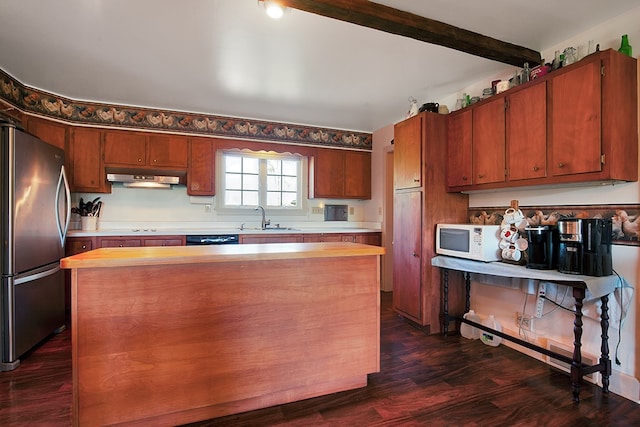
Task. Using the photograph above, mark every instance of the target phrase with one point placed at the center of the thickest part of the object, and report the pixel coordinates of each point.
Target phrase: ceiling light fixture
(274, 9)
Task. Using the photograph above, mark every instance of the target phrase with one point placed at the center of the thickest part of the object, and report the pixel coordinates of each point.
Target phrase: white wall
(127, 208)
(503, 302)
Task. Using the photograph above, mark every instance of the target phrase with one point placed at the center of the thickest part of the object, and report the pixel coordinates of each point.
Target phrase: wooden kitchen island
(172, 335)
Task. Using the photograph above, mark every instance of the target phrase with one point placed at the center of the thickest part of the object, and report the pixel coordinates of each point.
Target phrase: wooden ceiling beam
(395, 21)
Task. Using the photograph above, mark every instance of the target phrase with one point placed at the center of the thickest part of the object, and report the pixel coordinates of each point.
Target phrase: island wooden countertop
(161, 255)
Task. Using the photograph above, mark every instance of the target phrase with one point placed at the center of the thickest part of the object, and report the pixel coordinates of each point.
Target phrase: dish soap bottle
(487, 337)
(469, 331)
(625, 47)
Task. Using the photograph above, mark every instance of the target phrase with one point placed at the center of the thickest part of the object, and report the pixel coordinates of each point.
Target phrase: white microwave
(471, 241)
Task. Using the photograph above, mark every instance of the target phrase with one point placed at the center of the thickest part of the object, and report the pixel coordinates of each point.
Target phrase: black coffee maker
(585, 246)
(542, 251)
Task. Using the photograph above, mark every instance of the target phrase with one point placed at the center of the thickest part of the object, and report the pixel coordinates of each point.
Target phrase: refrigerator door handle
(36, 276)
(62, 233)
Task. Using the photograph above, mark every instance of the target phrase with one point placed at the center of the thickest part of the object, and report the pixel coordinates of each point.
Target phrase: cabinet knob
(536, 169)
(464, 178)
(121, 245)
(560, 165)
(139, 160)
(84, 246)
(415, 255)
(480, 176)
(155, 160)
(416, 180)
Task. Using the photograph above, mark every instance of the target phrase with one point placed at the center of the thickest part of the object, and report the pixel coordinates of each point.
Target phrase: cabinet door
(328, 173)
(165, 241)
(374, 239)
(271, 239)
(407, 153)
(50, 132)
(575, 102)
(86, 171)
(489, 142)
(167, 151)
(118, 242)
(201, 171)
(77, 245)
(125, 148)
(527, 133)
(357, 172)
(460, 149)
(407, 253)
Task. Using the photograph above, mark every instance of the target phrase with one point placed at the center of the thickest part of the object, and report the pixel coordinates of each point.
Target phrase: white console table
(598, 287)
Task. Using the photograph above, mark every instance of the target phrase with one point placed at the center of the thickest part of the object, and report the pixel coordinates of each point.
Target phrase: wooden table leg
(445, 300)
(467, 286)
(576, 370)
(605, 362)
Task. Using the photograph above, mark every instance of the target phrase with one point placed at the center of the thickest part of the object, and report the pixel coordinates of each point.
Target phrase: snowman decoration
(511, 242)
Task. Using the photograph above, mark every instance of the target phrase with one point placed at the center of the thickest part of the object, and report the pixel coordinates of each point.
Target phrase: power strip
(542, 288)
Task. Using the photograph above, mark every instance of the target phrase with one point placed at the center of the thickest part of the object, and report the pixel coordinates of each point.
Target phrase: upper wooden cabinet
(84, 157)
(135, 149)
(340, 174)
(526, 133)
(407, 153)
(460, 149)
(50, 132)
(577, 124)
(489, 141)
(201, 170)
(357, 174)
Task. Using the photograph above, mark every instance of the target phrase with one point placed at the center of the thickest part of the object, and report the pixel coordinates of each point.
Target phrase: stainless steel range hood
(144, 179)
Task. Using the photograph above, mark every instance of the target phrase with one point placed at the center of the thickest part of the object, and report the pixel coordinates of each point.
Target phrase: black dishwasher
(212, 239)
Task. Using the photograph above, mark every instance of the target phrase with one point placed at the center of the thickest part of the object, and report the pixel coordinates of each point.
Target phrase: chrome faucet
(265, 222)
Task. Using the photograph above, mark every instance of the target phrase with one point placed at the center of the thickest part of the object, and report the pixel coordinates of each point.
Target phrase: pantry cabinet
(574, 125)
(417, 210)
(340, 174)
(407, 153)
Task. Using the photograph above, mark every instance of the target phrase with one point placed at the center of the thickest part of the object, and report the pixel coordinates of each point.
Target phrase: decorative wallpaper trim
(43, 103)
(625, 219)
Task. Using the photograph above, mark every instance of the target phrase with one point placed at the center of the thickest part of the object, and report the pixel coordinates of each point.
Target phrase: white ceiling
(226, 57)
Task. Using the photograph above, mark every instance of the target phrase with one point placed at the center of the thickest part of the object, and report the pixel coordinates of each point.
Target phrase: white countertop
(143, 231)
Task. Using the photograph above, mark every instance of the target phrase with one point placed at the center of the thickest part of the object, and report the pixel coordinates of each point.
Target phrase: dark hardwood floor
(424, 381)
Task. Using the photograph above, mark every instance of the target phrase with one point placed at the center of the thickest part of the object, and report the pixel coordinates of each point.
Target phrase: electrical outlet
(316, 210)
(207, 208)
(351, 210)
(524, 322)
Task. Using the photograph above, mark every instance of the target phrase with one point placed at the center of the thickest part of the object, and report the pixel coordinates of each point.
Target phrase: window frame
(222, 208)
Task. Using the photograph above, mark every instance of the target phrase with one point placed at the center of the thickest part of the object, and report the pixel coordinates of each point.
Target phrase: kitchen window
(271, 180)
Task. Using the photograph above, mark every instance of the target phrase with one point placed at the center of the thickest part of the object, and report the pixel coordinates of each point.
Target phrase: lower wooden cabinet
(278, 238)
(374, 239)
(130, 241)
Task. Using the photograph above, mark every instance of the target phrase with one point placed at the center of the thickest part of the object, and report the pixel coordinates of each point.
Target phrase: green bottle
(625, 47)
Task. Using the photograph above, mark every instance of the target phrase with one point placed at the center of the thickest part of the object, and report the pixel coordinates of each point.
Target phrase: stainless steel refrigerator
(35, 203)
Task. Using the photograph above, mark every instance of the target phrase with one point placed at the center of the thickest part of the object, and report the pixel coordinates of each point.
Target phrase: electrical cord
(619, 320)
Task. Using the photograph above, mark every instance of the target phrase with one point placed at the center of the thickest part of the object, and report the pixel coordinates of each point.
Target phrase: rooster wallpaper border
(625, 218)
(42, 103)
